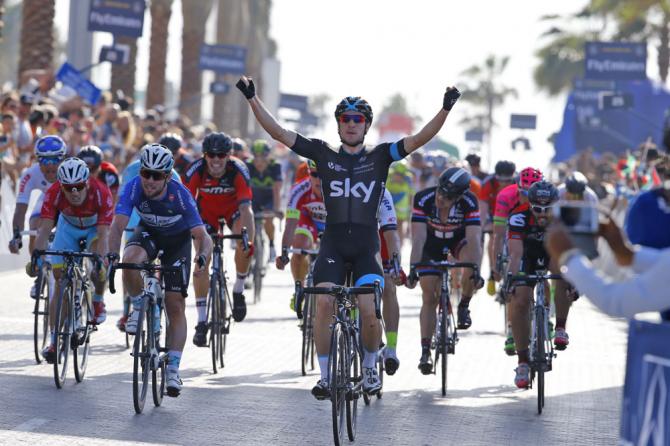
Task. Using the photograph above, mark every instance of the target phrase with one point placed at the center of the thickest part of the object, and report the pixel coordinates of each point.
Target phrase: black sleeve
(393, 151)
(309, 148)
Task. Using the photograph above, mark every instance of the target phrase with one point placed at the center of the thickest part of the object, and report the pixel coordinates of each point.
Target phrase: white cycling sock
(323, 365)
(370, 359)
(239, 283)
(201, 306)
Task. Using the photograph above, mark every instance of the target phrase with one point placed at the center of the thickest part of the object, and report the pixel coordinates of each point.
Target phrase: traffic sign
(528, 122)
(223, 58)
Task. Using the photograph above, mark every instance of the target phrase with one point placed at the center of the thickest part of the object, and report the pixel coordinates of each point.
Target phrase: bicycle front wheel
(63, 327)
(141, 359)
(540, 358)
(353, 370)
(307, 335)
(443, 341)
(82, 337)
(214, 322)
(41, 313)
(338, 381)
(158, 372)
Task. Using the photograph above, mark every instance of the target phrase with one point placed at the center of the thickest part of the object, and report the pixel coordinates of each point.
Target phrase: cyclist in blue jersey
(168, 219)
(353, 178)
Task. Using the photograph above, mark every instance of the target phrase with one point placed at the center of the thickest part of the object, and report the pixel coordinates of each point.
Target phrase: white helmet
(73, 171)
(156, 157)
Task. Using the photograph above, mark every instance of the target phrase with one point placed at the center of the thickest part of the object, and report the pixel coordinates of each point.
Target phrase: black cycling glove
(249, 91)
(450, 98)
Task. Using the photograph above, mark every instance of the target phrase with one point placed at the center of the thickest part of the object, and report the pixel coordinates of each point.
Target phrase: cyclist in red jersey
(81, 208)
(503, 177)
(507, 199)
(219, 183)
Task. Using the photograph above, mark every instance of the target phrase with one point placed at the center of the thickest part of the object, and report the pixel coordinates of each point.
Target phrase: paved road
(260, 397)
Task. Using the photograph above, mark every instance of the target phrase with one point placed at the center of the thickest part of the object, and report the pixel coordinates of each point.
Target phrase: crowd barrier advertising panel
(645, 417)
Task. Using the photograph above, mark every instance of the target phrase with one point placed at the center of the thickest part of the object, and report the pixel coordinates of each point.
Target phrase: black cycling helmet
(454, 182)
(239, 145)
(542, 193)
(172, 141)
(92, 155)
(217, 142)
(356, 104)
(575, 183)
(505, 169)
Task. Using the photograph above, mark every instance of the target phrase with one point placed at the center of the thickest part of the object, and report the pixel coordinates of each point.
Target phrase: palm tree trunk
(195, 13)
(123, 76)
(160, 19)
(37, 39)
(664, 48)
(232, 26)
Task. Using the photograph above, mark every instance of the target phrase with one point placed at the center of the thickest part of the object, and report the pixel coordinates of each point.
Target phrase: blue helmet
(50, 146)
(356, 104)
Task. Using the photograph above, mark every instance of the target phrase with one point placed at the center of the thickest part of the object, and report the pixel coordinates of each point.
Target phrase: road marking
(31, 424)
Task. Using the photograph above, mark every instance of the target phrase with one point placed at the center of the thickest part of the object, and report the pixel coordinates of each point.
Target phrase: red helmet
(528, 176)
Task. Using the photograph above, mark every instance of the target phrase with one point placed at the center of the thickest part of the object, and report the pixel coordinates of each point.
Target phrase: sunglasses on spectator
(78, 187)
(541, 209)
(153, 174)
(216, 155)
(348, 117)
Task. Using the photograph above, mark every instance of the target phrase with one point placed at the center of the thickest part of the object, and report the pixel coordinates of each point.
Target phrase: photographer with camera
(646, 291)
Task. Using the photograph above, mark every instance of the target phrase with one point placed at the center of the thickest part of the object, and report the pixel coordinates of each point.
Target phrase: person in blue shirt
(648, 217)
(169, 218)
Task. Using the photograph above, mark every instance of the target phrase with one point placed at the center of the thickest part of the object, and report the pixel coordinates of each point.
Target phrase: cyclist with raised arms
(80, 207)
(266, 183)
(527, 226)
(445, 221)
(503, 177)
(169, 218)
(219, 182)
(352, 179)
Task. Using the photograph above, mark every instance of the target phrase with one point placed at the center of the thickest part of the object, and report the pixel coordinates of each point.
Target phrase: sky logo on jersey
(345, 189)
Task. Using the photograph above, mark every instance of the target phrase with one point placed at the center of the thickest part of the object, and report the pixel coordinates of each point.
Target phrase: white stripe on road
(31, 424)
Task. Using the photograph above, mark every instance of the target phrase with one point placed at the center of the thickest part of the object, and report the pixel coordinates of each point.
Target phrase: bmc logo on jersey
(345, 189)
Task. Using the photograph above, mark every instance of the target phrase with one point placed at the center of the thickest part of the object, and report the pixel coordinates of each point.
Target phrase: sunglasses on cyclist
(50, 160)
(541, 209)
(74, 187)
(153, 174)
(218, 155)
(345, 118)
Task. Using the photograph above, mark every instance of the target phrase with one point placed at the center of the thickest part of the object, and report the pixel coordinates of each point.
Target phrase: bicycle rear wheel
(540, 358)
(82, 337)
(63, 326)
(141, 359)
(353, 370)
(215, 323)
(41, 313)
(338, 382)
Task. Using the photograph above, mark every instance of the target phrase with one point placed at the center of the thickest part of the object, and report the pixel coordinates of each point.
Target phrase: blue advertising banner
(645, 417)
(223, 58)
(119, 17)
(293, 101)
(615, 60)
(528, 122)
(474, 135)
(73, 78)
(219, 87)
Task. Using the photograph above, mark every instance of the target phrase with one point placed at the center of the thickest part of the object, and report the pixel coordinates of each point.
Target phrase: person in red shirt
(503, 177)
(81, 208)
(219, 183)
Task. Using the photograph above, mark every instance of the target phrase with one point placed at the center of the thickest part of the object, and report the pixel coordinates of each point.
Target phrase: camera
(581, 221)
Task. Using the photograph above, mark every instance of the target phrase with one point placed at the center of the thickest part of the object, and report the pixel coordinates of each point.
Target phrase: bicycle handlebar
(66, 253)
(338, 291)
(150, 268)
(524, 277)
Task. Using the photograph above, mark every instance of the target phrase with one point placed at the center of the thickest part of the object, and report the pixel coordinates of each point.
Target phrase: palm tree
(195, 13)
(123, 76)
(484, 91)
(232, 25)
(37, 38)
(160, 19)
